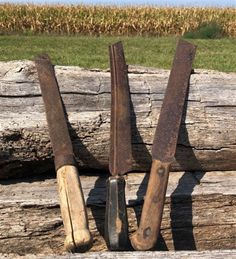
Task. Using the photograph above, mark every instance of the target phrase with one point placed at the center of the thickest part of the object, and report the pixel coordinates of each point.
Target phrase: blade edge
(55, 114)
(120, 159)
(166, 135)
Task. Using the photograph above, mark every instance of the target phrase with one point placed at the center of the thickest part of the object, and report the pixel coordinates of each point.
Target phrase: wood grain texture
(207, 136)
(216, 254)
(199, 212)
(73, 210)
(145, 238)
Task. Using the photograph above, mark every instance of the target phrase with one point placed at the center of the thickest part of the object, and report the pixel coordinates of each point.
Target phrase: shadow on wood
(178, 232)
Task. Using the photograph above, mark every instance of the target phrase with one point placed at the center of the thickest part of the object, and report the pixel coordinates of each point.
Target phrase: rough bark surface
(199, 212)
(207, 139)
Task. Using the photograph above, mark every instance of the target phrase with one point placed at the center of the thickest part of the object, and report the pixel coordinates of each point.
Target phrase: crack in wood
(208, 128)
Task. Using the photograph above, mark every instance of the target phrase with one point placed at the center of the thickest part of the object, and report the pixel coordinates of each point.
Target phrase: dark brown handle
(116, 223)
(146, 236)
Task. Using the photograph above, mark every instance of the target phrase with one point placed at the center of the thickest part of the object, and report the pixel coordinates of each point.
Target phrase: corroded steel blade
(120, 160)
(165, 139)
(58, 130)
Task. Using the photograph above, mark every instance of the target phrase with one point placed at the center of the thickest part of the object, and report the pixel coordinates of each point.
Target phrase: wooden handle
(73, 210)
(116, 223)
(146, 236)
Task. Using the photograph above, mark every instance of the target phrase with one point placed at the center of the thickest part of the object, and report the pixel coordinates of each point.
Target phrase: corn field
(100, 20)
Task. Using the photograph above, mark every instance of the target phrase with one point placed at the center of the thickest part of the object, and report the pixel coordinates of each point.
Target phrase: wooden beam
(207, 135)
(199, 213)
(215, 254)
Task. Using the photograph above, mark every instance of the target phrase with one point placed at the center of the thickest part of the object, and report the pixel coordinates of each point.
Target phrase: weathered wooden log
(199, 213)
(207, 139)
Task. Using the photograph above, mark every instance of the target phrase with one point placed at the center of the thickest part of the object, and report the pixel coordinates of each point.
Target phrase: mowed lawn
(92, 52)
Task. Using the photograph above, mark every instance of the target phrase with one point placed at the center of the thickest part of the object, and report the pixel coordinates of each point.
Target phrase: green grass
(206, 31)
(92, 52)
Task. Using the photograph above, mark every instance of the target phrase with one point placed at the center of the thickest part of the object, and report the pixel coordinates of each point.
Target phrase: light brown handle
(146, 236)
(73, 210)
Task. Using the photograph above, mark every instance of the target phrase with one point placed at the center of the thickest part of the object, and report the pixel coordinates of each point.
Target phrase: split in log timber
(199, 212)
(207, 136)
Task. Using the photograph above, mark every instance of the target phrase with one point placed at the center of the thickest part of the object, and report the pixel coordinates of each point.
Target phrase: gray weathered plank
(199, 212)
(206, 141)
(215, 254)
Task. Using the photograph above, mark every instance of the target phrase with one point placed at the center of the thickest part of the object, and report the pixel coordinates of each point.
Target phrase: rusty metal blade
(165, 139)
(120, 160)
(58, 130)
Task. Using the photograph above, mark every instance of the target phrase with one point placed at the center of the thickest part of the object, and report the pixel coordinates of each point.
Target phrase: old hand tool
(120, 161)
(73, 210)
(164, 147)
